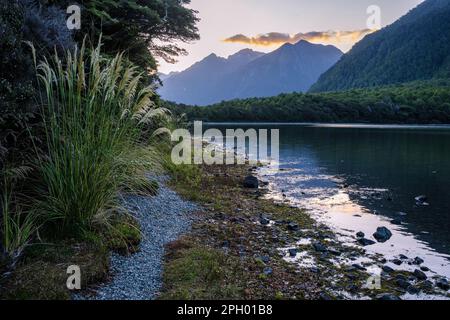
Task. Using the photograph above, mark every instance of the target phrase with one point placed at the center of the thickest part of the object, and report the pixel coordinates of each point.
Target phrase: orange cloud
(276, 38)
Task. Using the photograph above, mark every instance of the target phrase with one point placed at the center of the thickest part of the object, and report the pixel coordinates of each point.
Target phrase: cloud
(276, 38)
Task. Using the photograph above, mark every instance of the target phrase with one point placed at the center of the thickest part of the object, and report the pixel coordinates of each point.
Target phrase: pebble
(162, 218)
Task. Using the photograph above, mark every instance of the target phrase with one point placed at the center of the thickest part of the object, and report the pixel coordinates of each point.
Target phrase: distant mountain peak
(248, 73)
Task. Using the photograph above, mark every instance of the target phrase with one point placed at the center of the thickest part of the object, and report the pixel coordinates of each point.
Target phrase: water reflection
(361, 177)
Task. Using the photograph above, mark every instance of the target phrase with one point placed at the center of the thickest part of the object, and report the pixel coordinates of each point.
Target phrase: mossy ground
(41, 274)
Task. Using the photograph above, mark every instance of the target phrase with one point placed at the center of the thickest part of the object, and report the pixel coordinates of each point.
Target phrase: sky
(227, 26)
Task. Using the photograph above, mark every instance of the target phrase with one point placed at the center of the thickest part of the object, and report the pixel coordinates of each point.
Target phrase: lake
(359, 177)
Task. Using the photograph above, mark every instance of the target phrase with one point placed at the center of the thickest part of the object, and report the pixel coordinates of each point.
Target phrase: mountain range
(290, 68)
(415, 47)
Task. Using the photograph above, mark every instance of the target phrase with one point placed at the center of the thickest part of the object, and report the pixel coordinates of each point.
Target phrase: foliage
(138, 27)
(417, 102)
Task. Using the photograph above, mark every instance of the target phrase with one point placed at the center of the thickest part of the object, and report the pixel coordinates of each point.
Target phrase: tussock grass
(95, 114)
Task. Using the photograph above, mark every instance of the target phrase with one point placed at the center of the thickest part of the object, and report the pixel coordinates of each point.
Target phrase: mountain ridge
(247, 73)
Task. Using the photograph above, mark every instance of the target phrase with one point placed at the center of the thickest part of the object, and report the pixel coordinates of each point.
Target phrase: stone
(264, 221)
(423, 268)
(359, 267)
(413, 290)
(418, 260)
(293, 226)
(443, 284)
(387, 297)
(387, 269)
(293, 252)
(319, 247)
(396, 222)
(404, 284)
(403, 257)
(268, 271)
(366, 242)
(397, 262)
(383, 234)
(420, 275)
(265, 259)
(251, 182)
(360, 234)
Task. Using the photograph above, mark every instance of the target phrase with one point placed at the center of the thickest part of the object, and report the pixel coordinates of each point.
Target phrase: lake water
(359, 177)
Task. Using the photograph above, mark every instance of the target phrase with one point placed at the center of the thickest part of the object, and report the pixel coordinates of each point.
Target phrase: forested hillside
(417, 102)
(416, 47)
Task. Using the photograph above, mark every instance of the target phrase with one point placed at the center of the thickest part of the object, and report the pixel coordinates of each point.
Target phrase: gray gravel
(163, 218)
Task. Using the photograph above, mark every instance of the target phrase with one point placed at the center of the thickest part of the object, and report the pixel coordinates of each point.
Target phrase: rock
(360, 234)
(397, 262)
(383, 234)
(387, 297)
(420, 275)
(314, 270)
(387, 269)
(443, 284)
(423, 268)
(397, 222)
(413, 290)
(365, 242)
(402, 283)
(293, 252)
(265, 259)
(421, 199)
(403, 257)
(418, 260)
(359, 267)
(268, 271)
(293, 226)
(334, 252)
(251, 182)
(264, 221)
(319, 247)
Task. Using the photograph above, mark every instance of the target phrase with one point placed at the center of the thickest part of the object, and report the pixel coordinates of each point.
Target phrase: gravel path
(163, 218)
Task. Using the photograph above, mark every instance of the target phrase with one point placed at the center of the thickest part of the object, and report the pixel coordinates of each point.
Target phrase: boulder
(251, 182)
(383, 234)
(420, 275)
(443, 284)
(418, 260)
(319, 247)
(387, 269)
(293, 226)
(387, 297)
(365, 242)
(293, 252)
(360, 234)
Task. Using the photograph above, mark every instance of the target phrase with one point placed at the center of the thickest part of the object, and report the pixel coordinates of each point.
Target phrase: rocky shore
(281, 251)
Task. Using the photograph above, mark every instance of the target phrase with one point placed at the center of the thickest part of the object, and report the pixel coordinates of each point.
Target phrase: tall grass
(17, 224)
(95, 112)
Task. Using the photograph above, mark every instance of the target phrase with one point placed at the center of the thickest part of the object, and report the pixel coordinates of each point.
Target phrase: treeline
(417, 102)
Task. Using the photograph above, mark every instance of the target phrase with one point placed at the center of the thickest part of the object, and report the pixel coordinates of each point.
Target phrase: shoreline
(339, 269)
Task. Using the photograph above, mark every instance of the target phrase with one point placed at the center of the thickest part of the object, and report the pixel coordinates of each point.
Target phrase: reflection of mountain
(291, 68)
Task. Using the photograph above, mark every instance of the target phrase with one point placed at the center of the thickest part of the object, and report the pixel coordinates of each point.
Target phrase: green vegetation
(79, 127)
(416, 102)
(146, 28)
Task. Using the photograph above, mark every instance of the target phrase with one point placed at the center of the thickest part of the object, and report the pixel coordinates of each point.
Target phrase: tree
(144, 29)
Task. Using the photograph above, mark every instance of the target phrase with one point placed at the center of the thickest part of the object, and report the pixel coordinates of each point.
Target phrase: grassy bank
(64, 206)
